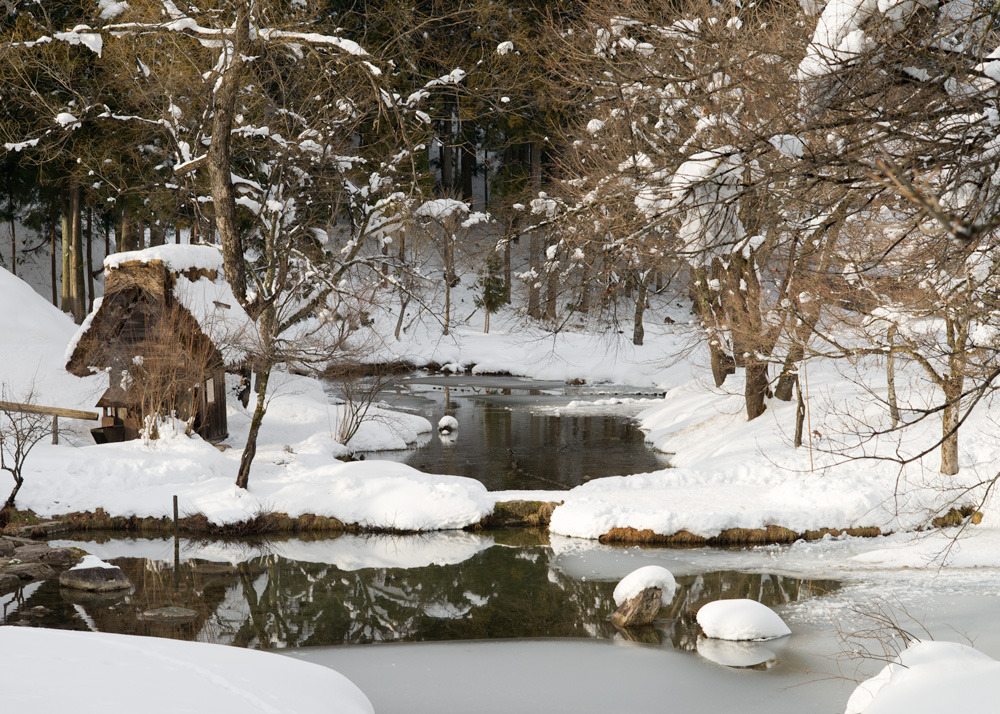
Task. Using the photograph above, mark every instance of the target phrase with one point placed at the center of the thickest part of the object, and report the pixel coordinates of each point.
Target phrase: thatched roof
(141, 288)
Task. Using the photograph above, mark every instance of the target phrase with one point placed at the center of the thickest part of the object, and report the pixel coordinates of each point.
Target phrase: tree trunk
(638, 331)
(219, 160)
(446, 161)
(800, 413)
(789, 374)
(950, 416)
(890, 378)
(535, 240)
(13, 246)
(157, 233)
(53, 220)
(90, 260)
(506, 272)
(468, 168)
(66, 295)
(250, 449)
(78, 285)
(756, 386)
(18, 481)
(722, 363)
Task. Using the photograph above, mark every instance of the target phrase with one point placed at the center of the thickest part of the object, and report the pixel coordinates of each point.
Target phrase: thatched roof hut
(166, 332)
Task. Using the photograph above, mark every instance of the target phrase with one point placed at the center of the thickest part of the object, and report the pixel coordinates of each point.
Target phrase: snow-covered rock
(650, 576)
(447, 424)
(741, 619)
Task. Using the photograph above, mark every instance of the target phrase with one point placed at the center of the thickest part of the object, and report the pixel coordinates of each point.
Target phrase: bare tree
(20, 432)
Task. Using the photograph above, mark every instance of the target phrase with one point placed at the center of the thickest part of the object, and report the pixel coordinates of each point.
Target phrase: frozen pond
(524, 434)
(456, 622)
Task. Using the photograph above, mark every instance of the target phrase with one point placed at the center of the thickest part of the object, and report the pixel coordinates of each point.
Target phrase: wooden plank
(49, 411)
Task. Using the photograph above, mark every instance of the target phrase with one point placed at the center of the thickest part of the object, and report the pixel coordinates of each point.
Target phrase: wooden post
(55, 429)
(177, 548)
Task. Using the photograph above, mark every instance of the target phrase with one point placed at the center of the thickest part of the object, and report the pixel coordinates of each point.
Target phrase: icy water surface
(357, 590)
(524, 434)
(449, 623)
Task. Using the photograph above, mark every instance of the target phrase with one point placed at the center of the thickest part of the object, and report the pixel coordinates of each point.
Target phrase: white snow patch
(94, 669)
(927, 678)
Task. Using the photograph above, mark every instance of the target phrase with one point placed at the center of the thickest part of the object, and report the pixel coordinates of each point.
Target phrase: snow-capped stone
(447, 424)
(650, 576)
(741, 619)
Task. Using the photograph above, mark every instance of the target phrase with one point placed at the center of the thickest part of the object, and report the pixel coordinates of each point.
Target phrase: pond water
(364, 589)
(524, 434)
(455, 622)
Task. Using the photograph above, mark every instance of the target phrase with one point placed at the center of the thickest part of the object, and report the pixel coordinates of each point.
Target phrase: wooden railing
(54, 412)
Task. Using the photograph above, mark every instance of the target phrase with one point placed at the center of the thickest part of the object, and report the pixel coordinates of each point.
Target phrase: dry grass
(730, 537)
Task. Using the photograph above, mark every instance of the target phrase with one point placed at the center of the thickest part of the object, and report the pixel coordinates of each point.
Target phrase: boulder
(30, 571)
(31, 553)
(9, 582)
(6, 547)
(60, 557)
(95, 580)
(639, 610)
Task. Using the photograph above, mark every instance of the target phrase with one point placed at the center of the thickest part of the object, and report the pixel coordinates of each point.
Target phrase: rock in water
(95, 580)
(639, 610)
(30, 571)
(741, 619)
(95, 576)
(650, 576)
(448, 424)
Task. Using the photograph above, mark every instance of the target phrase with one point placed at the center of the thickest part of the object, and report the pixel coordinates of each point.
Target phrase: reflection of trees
(501, 592)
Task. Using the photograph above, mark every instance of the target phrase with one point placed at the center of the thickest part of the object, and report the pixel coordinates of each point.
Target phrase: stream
(456, 622)
(521, 434)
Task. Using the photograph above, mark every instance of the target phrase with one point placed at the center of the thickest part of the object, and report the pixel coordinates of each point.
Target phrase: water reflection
(507, 445)
(267, 599)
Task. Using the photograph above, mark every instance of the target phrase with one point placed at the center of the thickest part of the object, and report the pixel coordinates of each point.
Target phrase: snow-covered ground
(729, 473)
(88, 672)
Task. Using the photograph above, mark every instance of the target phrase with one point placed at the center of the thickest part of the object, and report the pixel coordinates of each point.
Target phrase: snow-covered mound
(928, 678)
(650, 576)
(96, 672)
(447, 424)
(741, 620)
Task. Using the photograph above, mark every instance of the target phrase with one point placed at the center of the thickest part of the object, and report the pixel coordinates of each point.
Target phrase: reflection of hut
(166, 331)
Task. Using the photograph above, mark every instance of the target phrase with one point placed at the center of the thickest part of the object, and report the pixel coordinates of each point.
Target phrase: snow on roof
(81, 331)
(177, 258)
(220, 317)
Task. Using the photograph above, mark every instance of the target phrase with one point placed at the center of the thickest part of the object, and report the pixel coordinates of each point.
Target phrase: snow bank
(32, 347)
(741, 619)
(928, 678)
(650, 576)
(97, 671)
(706, 503)
(135, 478)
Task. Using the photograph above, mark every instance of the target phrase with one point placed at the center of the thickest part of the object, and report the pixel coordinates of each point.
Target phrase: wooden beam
(49, 411)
